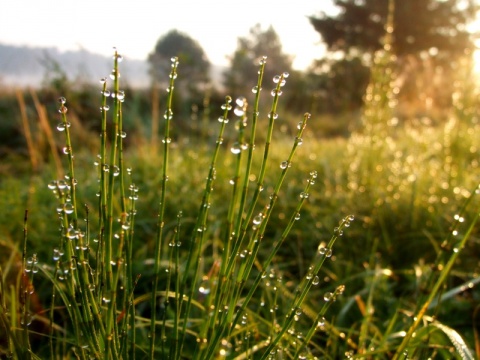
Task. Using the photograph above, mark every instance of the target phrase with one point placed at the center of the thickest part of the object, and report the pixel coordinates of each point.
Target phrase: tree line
(429, 38)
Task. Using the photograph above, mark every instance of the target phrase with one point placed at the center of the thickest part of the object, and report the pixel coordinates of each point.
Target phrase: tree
(419, 25)
(428, 37)
(242, 74)
(194, 65)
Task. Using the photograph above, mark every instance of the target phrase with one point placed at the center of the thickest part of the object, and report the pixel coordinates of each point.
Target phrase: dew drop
(52, 185)
(276, 92)
(321, 322)
(257, 220)
(236, 148)
(62, 184)
(204, 287)
(121, 94)
(273, 116)
(68, 208)
(56, 254)
(338, 231)
(238, 111)
(304, 195)
(328, 296)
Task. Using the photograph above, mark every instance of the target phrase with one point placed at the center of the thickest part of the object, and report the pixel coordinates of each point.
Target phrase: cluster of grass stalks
(248, 271)
(210, 295)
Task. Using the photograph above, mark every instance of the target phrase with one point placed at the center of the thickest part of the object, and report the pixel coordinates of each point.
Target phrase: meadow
(252, 238)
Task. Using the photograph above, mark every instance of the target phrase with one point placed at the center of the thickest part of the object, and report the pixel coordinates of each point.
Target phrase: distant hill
(30, 66)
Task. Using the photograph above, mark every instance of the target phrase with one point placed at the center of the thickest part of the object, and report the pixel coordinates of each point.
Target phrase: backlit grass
(247, 247)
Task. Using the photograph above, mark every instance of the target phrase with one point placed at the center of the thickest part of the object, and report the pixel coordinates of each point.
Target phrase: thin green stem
(438, 284)
(196, 242)
(163, 193)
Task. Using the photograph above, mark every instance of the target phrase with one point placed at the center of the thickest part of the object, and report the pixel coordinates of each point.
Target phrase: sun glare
(474, 29)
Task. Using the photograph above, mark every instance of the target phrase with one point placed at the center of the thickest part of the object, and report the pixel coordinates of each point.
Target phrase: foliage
(240, 77)
(419, 26)
(195, 64)
(240, 250)
(339, 84)
(429, 38)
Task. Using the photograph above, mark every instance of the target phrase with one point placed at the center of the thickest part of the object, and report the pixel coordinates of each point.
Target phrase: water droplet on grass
(328, 296)
(304, 195)
(121, 94)
(257, 220)
(204, 287)
(276, 92)
(236, 148)
(56, 254)
(68, 208)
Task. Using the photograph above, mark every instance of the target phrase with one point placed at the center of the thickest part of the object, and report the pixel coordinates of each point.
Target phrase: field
(259, 238)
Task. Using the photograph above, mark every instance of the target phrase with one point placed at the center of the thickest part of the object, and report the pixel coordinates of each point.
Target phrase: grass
(264, 246)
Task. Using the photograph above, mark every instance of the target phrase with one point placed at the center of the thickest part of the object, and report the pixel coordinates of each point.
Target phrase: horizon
(134, 29)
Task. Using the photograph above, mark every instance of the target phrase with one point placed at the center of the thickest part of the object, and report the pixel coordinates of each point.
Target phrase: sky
(135, 26)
